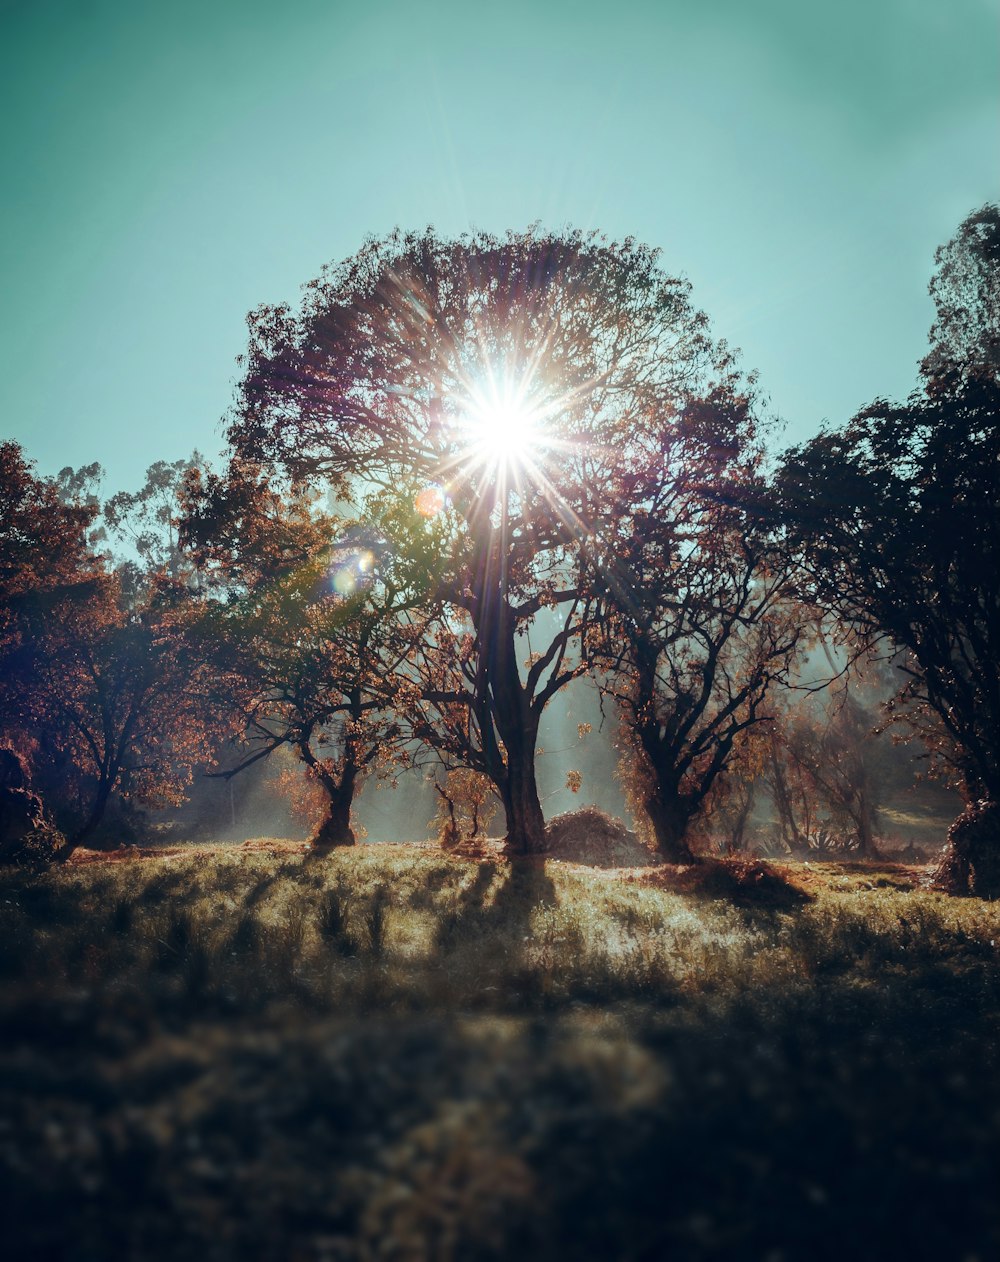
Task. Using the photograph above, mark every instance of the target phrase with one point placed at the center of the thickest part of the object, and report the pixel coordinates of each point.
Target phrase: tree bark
(670, 819)
(865, 822)
(669, 812)
(101, 799)
(738, 835)
(523, 811)
(335, 830)
(516, 722)
(790, 833)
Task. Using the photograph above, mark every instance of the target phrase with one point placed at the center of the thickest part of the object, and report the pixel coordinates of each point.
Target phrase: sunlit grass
(400, 1054)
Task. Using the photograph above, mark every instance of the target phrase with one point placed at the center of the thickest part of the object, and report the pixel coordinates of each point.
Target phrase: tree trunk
(669, 813)
(865, 823)
(737, 837)
(89, 825)
(790, 833)
(335, 829)
(670, 819)
(971, 861)
(517, 726)
(525, 821)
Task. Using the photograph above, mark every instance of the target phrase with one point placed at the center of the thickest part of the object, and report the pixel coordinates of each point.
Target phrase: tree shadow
(524, 884)
(528, 885)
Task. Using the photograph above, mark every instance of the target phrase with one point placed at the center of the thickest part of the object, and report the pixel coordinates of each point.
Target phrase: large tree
(898, 520)
(898, 516)
(487, 379)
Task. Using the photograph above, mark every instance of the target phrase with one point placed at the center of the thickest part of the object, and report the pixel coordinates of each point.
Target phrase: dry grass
(397, 1054)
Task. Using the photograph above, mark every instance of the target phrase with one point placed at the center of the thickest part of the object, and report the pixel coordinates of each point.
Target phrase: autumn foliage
(463, 477)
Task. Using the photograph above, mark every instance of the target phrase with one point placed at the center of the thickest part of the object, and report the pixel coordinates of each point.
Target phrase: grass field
(394, 1054)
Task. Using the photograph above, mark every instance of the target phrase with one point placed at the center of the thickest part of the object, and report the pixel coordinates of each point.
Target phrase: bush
(35, 849)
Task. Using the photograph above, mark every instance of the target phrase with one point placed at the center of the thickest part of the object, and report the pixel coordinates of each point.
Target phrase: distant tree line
(464, 474)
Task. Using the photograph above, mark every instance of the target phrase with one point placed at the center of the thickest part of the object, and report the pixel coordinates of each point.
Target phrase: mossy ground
(394, 1054)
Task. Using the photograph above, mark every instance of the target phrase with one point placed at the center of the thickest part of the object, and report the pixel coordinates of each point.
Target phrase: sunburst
(503, 427)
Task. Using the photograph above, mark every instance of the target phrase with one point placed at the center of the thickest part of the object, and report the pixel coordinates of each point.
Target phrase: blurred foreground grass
(396, 1055)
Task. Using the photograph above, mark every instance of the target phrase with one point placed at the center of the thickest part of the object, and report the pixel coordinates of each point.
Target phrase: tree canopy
(965, 336)
(517, 400)
(464, 474)
(898, 519)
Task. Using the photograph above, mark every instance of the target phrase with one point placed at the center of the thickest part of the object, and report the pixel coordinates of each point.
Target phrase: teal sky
(168, 166)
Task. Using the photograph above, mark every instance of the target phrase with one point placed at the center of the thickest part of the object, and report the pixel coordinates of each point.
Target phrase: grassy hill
(397, 1054)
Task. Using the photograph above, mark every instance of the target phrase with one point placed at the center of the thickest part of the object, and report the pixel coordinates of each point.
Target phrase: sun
(504, 428)
(506, 432)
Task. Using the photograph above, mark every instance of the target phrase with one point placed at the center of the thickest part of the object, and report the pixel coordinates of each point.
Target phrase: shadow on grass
(820, 1085)
(824, 1122)
(500, 899)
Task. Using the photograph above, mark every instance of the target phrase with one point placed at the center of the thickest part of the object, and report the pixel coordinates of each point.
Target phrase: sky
(168, 167)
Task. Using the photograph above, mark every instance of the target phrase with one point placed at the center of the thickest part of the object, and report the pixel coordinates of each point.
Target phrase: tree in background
(117, 704)
(44, 560)
(148, 521)
(80, 489)
(43, 546)
(898, 520)
(467, 803)
(729, 806)
(698, 628)
(965, 336)
(306, 635)
(829, 743)
(486, 379)
(105, 691)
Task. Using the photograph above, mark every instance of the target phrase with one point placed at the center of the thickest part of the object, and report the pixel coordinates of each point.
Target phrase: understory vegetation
(395, 1053)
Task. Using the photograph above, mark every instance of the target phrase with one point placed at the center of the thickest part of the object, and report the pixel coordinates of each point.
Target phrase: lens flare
(352, 574)
(430, 501)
